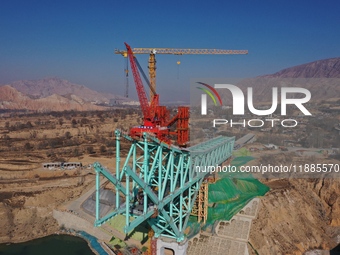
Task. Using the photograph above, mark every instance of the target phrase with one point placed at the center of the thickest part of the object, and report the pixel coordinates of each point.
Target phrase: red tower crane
(156, 118)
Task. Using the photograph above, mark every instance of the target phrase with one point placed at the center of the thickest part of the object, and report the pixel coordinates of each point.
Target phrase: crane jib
(139, 85)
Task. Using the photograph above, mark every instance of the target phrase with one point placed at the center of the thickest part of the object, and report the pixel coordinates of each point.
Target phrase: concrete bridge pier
(177, 248)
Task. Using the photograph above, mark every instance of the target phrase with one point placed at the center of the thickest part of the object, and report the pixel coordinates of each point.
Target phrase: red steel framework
(156, 118)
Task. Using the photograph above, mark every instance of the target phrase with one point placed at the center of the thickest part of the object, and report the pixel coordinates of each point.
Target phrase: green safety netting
(232, 192)
(229, 195)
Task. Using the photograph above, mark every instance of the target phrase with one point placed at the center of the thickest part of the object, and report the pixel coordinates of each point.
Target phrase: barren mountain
(326, 68)
(48, 86)
(12, 99)
(321, 78)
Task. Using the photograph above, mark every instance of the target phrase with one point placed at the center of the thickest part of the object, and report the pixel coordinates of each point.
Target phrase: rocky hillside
(298, 215)
(320, 77)
(326, 68)
(48, 86)
(12, 99)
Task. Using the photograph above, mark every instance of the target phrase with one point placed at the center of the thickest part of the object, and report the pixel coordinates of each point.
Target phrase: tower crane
(157, 174)
(172, 51)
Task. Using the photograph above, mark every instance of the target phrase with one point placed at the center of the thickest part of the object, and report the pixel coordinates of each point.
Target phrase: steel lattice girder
(162, 179)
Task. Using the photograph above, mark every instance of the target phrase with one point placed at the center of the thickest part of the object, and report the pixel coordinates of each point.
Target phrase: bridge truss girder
(158, 183)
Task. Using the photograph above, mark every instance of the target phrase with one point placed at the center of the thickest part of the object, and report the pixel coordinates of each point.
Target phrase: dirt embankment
(28, 215)
(298, 215)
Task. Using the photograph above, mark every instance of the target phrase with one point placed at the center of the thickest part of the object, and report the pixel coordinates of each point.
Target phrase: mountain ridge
(324, 68)
(320, 77)
(48, 86)
(12, 99)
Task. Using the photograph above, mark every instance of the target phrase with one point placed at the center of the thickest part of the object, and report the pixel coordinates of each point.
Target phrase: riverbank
(27, 213)
(97, 247)
(52, 245)
(20, 225)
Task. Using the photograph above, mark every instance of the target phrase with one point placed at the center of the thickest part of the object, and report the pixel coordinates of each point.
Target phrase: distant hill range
(53, 85)
(326, 68)
(53, 94)
(12, 99)
(320, 77)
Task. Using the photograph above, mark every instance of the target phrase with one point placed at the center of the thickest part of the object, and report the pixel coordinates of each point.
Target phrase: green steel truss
(158, 183)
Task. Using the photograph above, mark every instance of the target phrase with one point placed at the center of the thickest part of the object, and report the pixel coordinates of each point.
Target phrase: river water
(51, 245)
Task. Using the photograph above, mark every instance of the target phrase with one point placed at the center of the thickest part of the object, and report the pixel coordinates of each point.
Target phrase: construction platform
(231, 237)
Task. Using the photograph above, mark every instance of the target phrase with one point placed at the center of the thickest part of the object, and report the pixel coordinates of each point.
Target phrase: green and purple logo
(213, 95)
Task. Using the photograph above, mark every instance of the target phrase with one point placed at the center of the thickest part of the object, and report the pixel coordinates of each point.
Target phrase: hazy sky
(75, 40)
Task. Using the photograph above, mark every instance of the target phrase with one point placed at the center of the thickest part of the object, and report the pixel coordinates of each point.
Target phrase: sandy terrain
(29, 193)
(296, 215)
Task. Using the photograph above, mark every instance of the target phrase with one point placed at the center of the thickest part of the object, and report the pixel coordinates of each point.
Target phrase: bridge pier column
(178, 248)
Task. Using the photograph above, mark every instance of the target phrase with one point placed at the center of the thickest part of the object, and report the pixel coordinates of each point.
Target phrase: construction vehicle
(156, 118)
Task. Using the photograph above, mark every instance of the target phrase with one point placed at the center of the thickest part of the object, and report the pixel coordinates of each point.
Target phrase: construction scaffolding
(200, 208)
